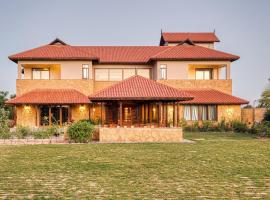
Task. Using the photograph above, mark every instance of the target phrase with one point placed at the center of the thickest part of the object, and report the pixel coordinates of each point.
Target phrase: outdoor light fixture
(94, 110)
(82, 108)
(229, 112)
(26, 108)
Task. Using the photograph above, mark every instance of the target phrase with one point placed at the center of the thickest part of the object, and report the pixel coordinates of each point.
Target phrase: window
(115, 75)
(200, 112)
(85, 71)
(163, 71)
(102, 74)
(144, 72)
(129, 72)
(40, 73)
(203, 74)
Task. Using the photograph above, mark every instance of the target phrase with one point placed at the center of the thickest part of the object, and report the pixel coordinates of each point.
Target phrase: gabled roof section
(211, 96)
(196, 37)
(57, 41)
(140, 88)
(56, 50)
(193, 52)
(50, 96)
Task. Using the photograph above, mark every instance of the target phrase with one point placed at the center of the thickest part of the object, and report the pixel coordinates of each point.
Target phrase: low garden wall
(140, 134)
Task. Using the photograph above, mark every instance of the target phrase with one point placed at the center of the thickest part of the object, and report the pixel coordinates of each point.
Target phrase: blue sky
(242, 26)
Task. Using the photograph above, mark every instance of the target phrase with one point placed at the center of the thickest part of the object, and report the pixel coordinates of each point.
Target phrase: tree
(265, 97)
(7, 108)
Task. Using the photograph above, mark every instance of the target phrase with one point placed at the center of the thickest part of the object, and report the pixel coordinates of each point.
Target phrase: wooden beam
(160, 113)
(50, 115)
(174, 114)
(121, 113)
(61, 116)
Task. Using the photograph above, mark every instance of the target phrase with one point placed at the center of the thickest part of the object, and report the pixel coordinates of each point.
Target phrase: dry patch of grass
(216, 166)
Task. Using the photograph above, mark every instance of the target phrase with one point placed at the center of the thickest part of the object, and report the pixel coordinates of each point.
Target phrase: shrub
(206, 126)
(239, 127)
(23, 132)
(96, 121)
(3, 122)
(81, 132)
(223, 126)
(261, 129)
(5, 135)
(52, 131)
(183, 123)
(267, 115)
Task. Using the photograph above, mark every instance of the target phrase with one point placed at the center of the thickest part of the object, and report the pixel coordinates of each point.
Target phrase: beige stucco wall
(83, 86)
(207, 45)
(58, 69)
(186, 70)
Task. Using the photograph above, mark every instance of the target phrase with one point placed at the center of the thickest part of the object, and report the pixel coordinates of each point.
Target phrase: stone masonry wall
(140, 135)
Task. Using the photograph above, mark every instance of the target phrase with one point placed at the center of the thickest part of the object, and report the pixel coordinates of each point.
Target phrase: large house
(184, 77)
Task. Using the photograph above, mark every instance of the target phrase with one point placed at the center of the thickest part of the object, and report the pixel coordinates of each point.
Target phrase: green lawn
(217, 166)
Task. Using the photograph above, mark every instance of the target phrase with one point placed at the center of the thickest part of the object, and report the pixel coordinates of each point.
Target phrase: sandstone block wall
(140, 135)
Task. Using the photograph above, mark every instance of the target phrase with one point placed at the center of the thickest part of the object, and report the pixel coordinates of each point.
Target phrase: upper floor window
(119, 74)
(204, 74)
(41, 73)
(144, 72)
(163, 71)
(85, 71)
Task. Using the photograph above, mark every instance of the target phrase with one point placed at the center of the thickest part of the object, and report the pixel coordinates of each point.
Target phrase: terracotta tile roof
(53, 52)
(58, 50)
(51, 96)
(195, 37)
(211, 96)
(193, 52)
(140, 88)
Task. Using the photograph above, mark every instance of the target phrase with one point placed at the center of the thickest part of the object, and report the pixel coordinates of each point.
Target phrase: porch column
(37, 116)
(160, 114)
(69, 114)
(121, 113)
(61, 116)
(101, 113)
(228, 71)
(175, 114)
(50, 115)
(165, 114)
(150, 113)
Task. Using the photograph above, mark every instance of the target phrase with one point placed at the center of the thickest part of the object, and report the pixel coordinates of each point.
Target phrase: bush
(96, 121)
(81, 132)
(239, 127)
(23, 132)
(206, 126)
(3, 122)
(223, 126)
(267, 115)
(183, 123)
(52, 131)
(5, 135)
(261, 129)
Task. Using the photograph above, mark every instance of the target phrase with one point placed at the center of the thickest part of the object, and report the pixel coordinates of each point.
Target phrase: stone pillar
(175, 113)
(160, 114)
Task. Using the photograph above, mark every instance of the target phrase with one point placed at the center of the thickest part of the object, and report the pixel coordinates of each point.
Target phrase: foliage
(5, 135)
(80, 132)
(265, 97)
(239, 127)
(7, 108)
(3, 122)
(262, 129)
(267, 115)
(183, 123)
(95, 121)
(22, 132)
(224, 126)
(206, 126)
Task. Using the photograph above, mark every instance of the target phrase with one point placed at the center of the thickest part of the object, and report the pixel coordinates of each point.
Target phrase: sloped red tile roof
(53, 52)
(193, 52)
(51, 96)
(140, 88)
(211, 96)
(182, 36)
(121, 54)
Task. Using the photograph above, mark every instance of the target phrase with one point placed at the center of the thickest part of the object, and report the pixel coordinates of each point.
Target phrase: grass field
(217, 166)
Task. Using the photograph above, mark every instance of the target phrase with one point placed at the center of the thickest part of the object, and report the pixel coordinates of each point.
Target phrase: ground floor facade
(132, 114)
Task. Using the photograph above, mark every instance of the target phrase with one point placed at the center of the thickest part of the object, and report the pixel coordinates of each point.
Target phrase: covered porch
(137, 102)
(136, 113)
